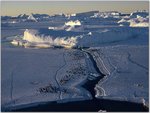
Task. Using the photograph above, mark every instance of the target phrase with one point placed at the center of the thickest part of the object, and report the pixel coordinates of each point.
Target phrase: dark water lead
(88, 106)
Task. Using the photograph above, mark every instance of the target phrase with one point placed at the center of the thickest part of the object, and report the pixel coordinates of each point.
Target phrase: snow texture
(126, 70)
(34, 76)
(34, 38)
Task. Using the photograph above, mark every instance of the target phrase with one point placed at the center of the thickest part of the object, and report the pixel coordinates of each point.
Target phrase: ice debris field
(46, 58)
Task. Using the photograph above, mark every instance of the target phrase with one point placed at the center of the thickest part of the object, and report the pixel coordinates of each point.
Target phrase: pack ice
(39, 68)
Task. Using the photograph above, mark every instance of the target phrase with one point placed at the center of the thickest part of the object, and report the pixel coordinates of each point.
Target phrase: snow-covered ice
(136, 19)
(37, 68)
(126, 70)
(33, 76)
(33, 38)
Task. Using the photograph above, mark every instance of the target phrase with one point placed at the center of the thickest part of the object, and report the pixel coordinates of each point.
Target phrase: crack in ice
(132, 61)
(56, 78)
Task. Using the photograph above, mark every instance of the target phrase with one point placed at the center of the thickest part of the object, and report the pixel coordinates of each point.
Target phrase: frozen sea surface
(126, 70)
(118, 45)
(32, 76)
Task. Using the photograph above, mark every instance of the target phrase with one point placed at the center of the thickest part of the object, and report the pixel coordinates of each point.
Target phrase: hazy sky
(14, 8)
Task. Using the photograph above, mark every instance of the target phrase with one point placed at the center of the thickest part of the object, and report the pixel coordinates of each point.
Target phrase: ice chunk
(73, 23)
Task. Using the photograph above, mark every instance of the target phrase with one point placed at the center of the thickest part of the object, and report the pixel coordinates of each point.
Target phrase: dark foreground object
(89, 106)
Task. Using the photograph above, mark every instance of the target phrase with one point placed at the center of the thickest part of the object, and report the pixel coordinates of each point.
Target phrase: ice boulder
(31, 18)
(73, 23)
(143, 14)
(136, 20)
(139, 22)
(70, 39)
(34, 39)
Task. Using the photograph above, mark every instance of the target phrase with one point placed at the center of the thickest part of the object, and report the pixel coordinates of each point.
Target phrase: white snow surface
(126, 70)
(34, 76)
(119, 45)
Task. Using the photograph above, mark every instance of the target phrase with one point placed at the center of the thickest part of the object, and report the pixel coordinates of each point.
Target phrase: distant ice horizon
(61, 13)
(14, 8)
